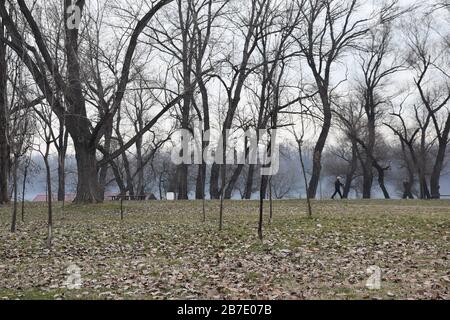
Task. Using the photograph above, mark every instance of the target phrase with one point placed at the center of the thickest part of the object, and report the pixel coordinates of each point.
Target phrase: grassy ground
(163, 250)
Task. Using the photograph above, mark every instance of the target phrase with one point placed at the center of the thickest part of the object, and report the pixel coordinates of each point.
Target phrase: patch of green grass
(163, 250)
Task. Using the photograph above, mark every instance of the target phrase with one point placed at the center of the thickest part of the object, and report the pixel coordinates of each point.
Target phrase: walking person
(337, 188)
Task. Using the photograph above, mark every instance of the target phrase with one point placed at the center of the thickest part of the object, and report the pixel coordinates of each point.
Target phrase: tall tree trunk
(368, 159)
(87, 187)
(200, 182)
(262, 196)
(61, 177)
(249, 183)
(370, 143)
(183, 182)
(214, 181)
(222, 193)
(302, 163)
(351, 173)
(62, 151)
(4, 141)
(183, 169)
(49, 201)
(381, 183)
(367, 178)
(14, 214)
(214, 191)
(201, 176)
(103, 172)
(77, 121)
(320, 145)
(140, 187)
(424, 190)
(437, 169)
(24, 185)
(233, 180)
(439, 162)
(271, 200)
(118, 177)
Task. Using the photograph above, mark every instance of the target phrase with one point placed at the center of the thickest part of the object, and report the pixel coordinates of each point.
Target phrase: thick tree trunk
(201, 176)
(436, 174)
(370, 143)
(424, 190)
(183, 182)
(88, 187)
(439, 162)
(61, 175)
(249, 183)
(4, 142)
(214, 182)
(118, 177)
(367, 178)
(61, 179)
(233, 180)
(368, 159)
(200, 183)
(62, 151)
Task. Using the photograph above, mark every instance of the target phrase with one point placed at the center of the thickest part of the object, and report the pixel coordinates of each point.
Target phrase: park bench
(128, 198)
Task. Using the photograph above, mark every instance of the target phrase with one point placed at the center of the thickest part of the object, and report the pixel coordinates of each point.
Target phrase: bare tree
(21, 136)
(435, 99)
(47, 135)
(330, 28)
(249, 21)
(376, 67)
(349, 117)
(85, 135)
(4, 118)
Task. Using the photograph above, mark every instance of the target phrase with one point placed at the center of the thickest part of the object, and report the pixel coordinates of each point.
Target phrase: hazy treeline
(359, 90)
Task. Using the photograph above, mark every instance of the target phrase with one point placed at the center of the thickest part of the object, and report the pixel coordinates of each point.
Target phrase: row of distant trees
(368, 84)
(160, 177)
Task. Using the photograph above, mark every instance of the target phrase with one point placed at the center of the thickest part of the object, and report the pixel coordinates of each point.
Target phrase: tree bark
(183, 182)
(14, 214)
(62, 151)
(351, 173)
(367, 172)
(320, 145)
(214, 182)
(249, 182)
(200, 183)
(439, 162)
(24, 185)
(103, 172)
(4, 141)
(88, 187)
(233, 180)
(49, 201)
(262, 196)
(381, 183)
